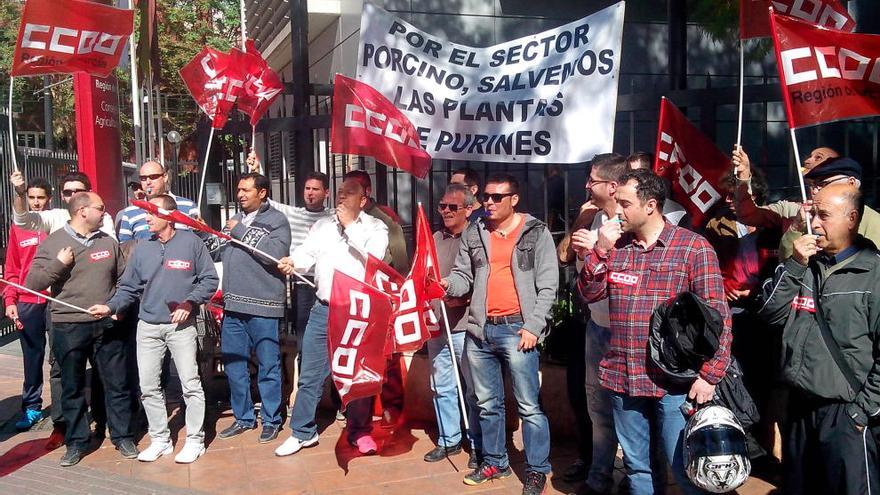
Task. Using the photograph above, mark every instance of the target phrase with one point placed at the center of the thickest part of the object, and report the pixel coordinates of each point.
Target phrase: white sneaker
(189, 453)
(293, 445)
(155, 451)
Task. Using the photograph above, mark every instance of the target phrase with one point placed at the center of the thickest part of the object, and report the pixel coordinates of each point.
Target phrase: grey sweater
(252, 284)
(535, 275)
(163, 275)
(90, 279)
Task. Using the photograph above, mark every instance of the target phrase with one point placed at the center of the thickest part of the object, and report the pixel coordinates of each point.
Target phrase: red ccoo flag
(357, 329)
(690, 161)
(70, 36)
(366, 123)
(755, 23)
(261, 85)
(826, 75)
(214, 79)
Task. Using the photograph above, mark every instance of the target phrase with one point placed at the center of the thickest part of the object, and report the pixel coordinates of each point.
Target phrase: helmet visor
(723, 440)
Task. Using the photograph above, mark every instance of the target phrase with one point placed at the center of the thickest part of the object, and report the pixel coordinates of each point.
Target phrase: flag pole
(205, 168)
(797, 159)
(742, 79)
(44, 296)
(270, 258)
(136, 104)
(12, 145)
(455, 371)
(243, 26)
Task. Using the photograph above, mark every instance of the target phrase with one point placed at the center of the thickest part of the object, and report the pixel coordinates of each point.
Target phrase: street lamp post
(174, 138)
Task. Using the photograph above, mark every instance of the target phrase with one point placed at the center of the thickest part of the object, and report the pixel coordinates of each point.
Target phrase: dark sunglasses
(70, 192)
(496, 197)
(151, 177)
(448, 206)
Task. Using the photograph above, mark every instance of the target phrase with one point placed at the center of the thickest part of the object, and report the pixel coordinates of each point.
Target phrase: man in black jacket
(834, 413)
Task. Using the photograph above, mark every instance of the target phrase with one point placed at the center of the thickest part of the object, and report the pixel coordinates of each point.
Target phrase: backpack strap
(827, 336)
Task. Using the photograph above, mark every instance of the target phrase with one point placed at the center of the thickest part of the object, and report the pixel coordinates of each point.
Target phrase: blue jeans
(313, 371)
(446, 403)
(632, 423)
(239, 335)
(486, 357)
(33, 352)
(599, 407)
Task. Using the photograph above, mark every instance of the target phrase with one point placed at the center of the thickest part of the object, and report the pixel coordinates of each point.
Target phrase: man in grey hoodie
(509, 261)
(171, 274)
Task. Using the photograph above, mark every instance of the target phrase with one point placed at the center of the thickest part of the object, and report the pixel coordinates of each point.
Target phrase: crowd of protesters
(793, 286)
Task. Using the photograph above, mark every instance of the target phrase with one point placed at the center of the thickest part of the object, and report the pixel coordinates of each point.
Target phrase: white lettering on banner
(362, 118)
(814, 64)
(623, 279)
(819, 13)
(84, 41)
(804, 303)
(699, 191)
(345, 356)
(33, 241)
(207, 63)
(516, 101)
(408, 326)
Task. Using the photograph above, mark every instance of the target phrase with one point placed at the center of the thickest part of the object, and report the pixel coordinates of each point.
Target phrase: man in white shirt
(340, 242)
(51, 220)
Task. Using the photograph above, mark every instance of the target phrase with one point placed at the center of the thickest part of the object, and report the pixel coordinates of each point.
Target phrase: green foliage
(185, 27)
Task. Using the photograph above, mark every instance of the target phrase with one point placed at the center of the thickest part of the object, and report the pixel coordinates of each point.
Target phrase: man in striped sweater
(154, 180)
(301, 218)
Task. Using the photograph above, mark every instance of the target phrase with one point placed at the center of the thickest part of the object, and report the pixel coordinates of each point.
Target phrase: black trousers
(33, 351)
(823, 451)
(74, 344)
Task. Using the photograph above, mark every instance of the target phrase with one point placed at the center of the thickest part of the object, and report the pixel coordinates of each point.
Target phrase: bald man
(827, 296)
(154, 180)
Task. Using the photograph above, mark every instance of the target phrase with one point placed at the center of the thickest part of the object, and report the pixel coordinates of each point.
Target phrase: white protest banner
(546, 98)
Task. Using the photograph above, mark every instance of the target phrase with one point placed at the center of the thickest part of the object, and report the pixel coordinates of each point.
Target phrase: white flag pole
(205, 168)
(44, 296)
(243, 25)
(797, 159)
(742, 79)
(12, 145)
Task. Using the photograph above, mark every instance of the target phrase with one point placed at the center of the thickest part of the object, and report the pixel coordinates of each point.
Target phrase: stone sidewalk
(242, 465)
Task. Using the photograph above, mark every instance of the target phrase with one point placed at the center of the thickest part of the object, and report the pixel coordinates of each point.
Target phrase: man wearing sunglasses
(507, 261)
(82, 264)
(49, 221)
(154, 180)
(787, 215)
(454, 208)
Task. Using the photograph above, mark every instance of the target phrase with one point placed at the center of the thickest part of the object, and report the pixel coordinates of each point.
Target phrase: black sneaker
(71, 457)
(487, 472)
(127, 448)
(475, 459)
(534, 484)
(234, 430)
(269, 433)
(439, 453)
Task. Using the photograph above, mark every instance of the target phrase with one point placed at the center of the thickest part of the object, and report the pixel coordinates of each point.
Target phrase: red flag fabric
(214, 79)
(826, 75)
(357, 329)
(425, 259)
(690, 161)
(754, 21)
(70, 36)
(382, 276)
(366, 123)
(261, 85)
(178, 217)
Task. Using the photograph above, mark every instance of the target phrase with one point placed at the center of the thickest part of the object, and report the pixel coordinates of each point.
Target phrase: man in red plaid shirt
(638, 263)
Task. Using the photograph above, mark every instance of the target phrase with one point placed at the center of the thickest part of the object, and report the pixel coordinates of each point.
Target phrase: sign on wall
(546, 98)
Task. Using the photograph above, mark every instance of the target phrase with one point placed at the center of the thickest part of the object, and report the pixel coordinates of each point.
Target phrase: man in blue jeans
(636, 262)
(508, 261)
(454, 208)
(254, 292)
(339, 242)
